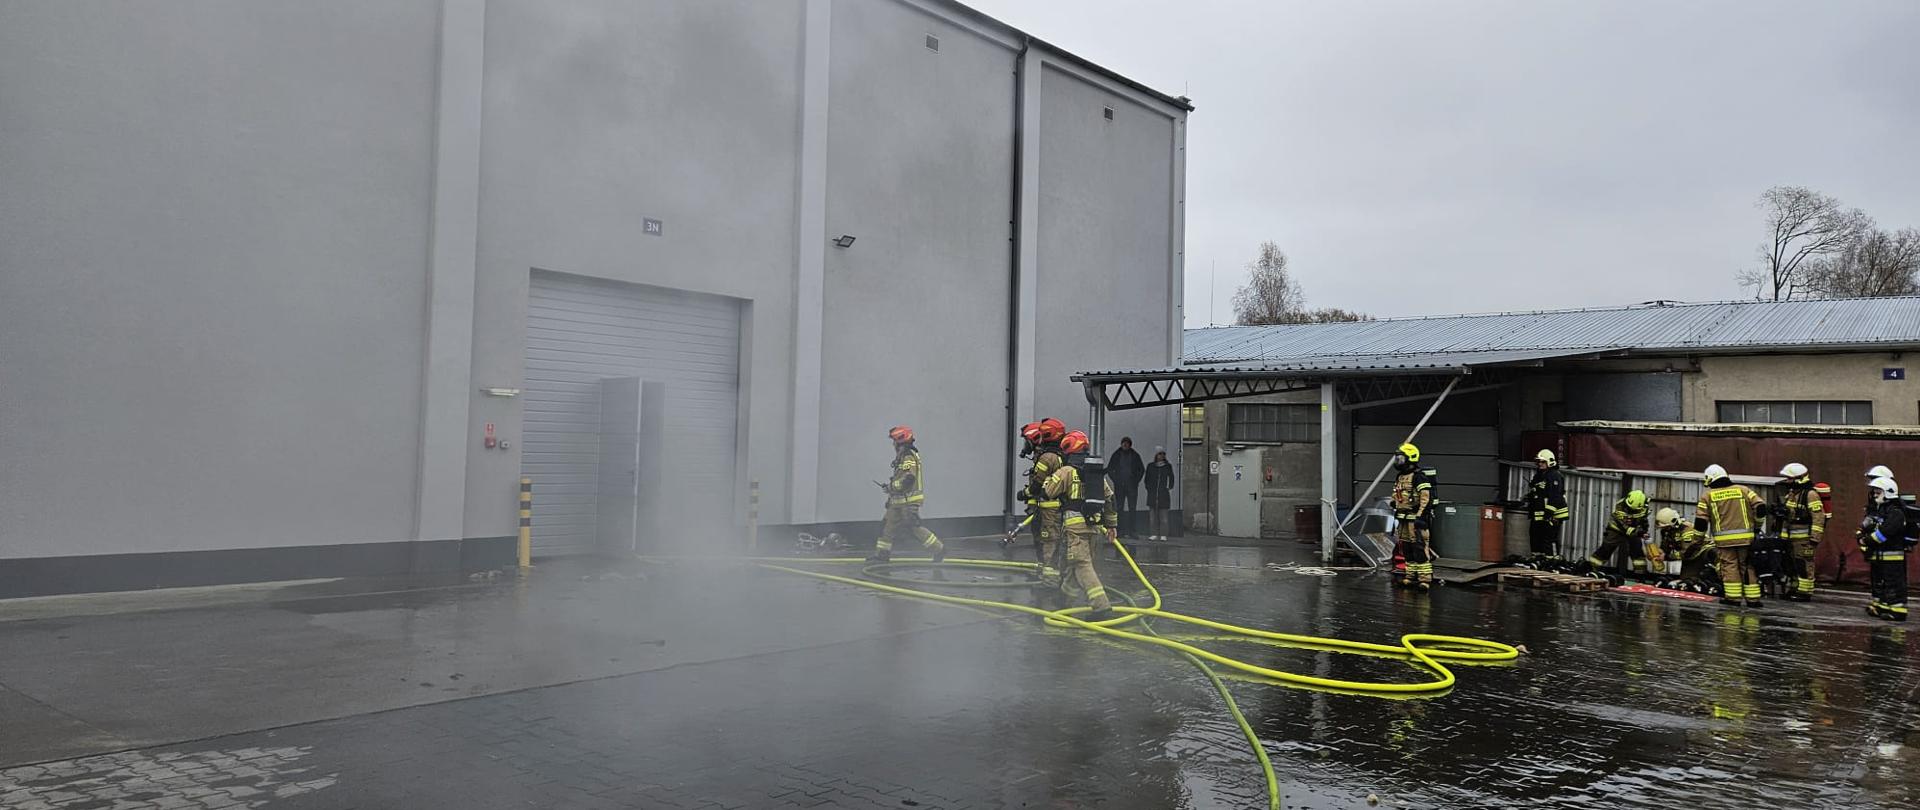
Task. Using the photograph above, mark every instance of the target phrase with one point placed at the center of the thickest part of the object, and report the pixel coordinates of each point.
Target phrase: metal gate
(581, 331)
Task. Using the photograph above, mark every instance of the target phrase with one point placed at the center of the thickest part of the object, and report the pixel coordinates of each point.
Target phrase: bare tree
(1271, 295)
(1803, 225)
(1877, 263)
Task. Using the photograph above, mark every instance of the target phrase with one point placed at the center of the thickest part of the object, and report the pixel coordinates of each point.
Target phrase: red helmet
(1823, 488)
(900, 434)
(1051, 429)
(1075, 442)
(1031, 432)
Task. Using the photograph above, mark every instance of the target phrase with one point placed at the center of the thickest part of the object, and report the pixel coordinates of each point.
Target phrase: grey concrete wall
(1104, 250)
(1296, 469)
(213, 236)
(920, 171)
(258, 257)
(600, 113)
(1807, 377)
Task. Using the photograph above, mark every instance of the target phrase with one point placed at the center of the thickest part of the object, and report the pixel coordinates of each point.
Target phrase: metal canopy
(1359, 380)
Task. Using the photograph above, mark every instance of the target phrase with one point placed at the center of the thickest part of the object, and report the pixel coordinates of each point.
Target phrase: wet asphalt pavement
(706, 684)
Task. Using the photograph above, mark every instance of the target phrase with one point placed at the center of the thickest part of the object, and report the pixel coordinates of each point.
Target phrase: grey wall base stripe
(862, 533)
(47, 576)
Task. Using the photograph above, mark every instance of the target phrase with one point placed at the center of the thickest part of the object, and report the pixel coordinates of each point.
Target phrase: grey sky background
(1432, 157)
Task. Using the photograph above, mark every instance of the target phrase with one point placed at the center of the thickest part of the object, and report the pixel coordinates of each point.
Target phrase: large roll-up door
(581, 331)
(1467, 459)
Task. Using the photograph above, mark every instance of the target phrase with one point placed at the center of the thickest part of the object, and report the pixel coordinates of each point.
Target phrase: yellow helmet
(1636, 499)
(1411, 453)
(1545, 457)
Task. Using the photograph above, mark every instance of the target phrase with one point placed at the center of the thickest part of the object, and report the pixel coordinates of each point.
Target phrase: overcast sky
(1433, 157)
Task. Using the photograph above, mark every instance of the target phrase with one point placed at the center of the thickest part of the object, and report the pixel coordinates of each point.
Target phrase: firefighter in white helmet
(1680, 541)
(1725, 514)
(1885, 540)
(1801, 519)
(1547, 505)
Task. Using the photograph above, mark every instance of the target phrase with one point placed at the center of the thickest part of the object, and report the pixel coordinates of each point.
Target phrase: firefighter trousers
(1738, 580)
(903, 521)
(1079, 574)
(1800, 552)
(1610, 547)
(1544, 537)
(1417, 547)
(1889, 575)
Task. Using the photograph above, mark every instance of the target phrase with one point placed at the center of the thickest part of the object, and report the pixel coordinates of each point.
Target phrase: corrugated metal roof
(1347, 365)
(1727, 326)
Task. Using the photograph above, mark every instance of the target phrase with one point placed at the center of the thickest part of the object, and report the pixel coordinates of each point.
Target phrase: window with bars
(1193, 424)
(1273, 423)
(1799, 412)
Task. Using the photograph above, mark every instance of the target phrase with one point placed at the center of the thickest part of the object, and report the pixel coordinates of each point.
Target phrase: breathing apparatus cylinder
(1092, 503)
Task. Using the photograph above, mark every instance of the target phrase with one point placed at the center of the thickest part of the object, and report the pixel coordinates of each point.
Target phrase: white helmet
(1795, 471)
(1714, 472)
(1886, 487)
(1666, 517)
(1879, 471)
(1546, 456)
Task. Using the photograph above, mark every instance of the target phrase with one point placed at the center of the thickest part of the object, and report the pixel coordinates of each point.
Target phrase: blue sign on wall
(1893, 373)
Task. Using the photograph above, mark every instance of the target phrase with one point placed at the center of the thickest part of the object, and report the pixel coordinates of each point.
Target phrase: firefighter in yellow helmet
(1627, 527)
(906, 490)
(1801, 518)
(1413, 515)
(1725, 514)
(1087, 523)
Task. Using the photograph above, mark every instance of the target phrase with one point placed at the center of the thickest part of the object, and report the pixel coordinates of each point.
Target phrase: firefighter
(1725, 514)
(1086, 524)
(1801, 518)
(1413, 515)
(1693, 549)
(1628, 527)
(1043, 513)
(1547, 501)
(906, 490)
(1883, 540)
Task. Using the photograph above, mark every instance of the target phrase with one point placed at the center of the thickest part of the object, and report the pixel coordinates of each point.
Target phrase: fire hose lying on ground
(1427, 650)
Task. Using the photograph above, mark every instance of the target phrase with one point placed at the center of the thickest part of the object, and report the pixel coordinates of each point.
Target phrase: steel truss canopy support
(1154, 393)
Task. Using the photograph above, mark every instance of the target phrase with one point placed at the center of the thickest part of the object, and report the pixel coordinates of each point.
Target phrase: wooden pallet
(1550, 581)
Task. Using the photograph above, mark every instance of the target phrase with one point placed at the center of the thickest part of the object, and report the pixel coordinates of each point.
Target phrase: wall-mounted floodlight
(501, 392)
(845, 241)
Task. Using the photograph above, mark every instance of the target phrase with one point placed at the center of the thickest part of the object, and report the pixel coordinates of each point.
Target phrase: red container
(1493, 532)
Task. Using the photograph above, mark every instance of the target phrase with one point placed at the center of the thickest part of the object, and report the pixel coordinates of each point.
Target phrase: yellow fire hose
(1427, 649)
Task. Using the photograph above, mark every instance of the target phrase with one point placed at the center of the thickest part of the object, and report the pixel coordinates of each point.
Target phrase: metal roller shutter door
(582, 330)
(1467, 459)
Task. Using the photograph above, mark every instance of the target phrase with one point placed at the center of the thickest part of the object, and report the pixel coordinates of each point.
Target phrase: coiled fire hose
(1427, 650)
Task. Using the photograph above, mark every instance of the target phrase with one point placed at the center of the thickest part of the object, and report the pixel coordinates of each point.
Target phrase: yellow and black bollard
(526, 524)
(753, 514)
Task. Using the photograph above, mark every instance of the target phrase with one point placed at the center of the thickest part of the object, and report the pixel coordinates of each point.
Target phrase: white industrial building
(294, 289)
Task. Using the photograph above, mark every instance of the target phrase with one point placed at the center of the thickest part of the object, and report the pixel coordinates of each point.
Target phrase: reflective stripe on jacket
(1547, 496)
(907, 485)
(1627, 520)
(1064, 486)
(1728, 512)
(1412, 494)
(1806, 515)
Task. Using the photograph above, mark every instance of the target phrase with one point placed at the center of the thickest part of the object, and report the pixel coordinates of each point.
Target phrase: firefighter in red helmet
(906, 490)
(1086, 521)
